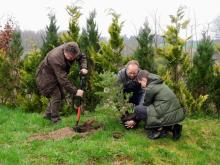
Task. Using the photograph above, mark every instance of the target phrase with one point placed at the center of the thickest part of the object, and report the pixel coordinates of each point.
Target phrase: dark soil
(82, 130)
(117, 135)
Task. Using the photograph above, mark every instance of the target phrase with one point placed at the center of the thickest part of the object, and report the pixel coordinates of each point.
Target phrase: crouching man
(128, 77)
(161, 110)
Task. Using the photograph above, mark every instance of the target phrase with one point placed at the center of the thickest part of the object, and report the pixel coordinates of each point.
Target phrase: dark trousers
(140, 112)
(54, 104)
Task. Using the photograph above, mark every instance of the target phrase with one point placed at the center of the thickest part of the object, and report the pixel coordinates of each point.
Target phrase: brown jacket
(53, 71)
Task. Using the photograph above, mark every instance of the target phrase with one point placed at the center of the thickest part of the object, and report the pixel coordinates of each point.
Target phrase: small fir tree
(90, 35)
(51, 40)
(145, 51)
(89, 42)
(202, 70)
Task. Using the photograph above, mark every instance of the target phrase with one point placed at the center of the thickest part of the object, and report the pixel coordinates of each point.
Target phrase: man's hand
(79, 93)
(83, 71)
(130, 124)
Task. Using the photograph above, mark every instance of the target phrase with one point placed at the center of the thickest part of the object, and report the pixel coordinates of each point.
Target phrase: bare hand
(84, 71)
(79, 93)
(130, 124)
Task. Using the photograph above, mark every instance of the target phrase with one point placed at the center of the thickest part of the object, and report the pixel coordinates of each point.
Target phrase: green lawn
(199, 144)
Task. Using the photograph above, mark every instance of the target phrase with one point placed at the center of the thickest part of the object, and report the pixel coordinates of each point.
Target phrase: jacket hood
(154, 79)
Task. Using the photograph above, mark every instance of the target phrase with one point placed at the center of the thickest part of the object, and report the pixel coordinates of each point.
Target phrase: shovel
(78, 109)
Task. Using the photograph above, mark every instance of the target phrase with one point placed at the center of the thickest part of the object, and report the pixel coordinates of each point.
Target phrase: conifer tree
(89, 42)
(73, 31)
(51, 40)
(29, 98)
(90, 35)
(214, 89)
(178, 63)
(5, 88)
(109, 57)
(116, 40)
(202, 71)
(145, 51)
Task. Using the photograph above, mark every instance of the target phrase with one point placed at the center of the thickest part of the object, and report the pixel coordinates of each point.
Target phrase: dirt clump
(81, 130)
(87, 126)
(117, 135)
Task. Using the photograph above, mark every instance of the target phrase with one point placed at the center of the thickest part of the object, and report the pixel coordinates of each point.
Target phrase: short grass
(199, 144)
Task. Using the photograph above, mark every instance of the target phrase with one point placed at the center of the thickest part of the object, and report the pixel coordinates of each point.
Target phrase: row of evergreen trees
(195, 79)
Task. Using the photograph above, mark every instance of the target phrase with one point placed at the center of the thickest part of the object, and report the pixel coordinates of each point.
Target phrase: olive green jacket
(163, 107)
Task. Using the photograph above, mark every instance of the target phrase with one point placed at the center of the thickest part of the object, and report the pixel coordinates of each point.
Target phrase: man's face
(69, 56)
(132, 71)
(143, 82)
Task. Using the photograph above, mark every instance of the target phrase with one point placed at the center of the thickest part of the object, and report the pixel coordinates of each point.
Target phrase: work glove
(128, 120)
(130, 124)
(79, 93)
(83, 71)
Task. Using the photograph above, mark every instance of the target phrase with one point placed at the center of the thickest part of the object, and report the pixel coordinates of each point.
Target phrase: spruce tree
(89, 42)
(202, 71)
(90, 35)
(51, 40)
(145, 51)
(214, 90)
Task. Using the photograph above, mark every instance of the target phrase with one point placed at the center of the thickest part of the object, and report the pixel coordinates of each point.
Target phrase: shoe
(155, 134)
(55, 119)
(177, 129)
(163, 133)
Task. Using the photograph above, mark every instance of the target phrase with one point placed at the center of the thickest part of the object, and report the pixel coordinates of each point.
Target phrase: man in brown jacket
(51, 76)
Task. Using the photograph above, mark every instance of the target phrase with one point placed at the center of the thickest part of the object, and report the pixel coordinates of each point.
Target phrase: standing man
(51, 76)
(128, 77)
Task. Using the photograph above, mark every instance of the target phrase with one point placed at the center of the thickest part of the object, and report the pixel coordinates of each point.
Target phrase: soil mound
(81, 130)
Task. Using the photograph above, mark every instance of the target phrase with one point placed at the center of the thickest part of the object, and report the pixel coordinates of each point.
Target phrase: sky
(33, 15)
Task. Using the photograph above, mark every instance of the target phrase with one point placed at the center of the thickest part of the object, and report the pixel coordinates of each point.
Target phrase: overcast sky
(32, 15)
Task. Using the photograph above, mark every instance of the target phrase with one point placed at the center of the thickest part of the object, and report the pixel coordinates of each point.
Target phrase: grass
(199, 144)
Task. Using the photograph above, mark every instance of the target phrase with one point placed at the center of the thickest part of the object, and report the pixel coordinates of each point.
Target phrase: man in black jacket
(128, 77)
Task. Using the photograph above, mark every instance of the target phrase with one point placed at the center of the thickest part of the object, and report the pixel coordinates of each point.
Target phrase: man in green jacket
(161, 110)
